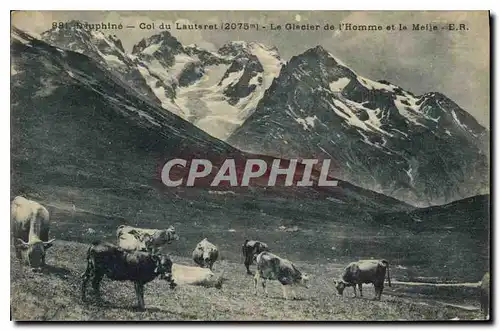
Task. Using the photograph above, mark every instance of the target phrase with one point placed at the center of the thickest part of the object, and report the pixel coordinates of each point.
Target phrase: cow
(105, 259)
(205, 254)
(272, 267)
(364, 271)
(189, 275)
(252, 248)
(484, 298)
(132, 238)
(30, 232)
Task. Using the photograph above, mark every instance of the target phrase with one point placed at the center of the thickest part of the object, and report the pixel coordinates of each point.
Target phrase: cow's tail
(244, 249)
(386, 263)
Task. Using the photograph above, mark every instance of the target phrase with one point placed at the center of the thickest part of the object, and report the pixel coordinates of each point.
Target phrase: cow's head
(146, 243)
(261, 247)
(172, 235)
(340, 285)
(165, 236)
(304, 280)
(34, 252)
(207, 253)
(300, 278)
(163, 267)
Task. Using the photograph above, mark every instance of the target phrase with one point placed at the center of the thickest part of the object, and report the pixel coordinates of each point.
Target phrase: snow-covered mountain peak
(75, 36)
(424, 149)
(162, 42)
(381, 136)
(75, 29)
(241, 48)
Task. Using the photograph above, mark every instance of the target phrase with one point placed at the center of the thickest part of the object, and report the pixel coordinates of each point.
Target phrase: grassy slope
(328, 231)
(54, 295)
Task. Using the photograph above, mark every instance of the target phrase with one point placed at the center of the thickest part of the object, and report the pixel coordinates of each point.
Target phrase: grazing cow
(144, 239)
(364, 271)
(485, 295)
(189, 275)
(116, 263)
(252, 248)
(205, 254)
(272, 267)
(30, 231)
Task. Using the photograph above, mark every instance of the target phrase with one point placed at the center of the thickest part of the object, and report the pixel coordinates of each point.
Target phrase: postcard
(250, 166)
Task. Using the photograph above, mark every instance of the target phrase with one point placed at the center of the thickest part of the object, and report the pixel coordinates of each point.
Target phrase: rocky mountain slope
(76, 124)
(216, 91)
(469, 215)
(422, 149)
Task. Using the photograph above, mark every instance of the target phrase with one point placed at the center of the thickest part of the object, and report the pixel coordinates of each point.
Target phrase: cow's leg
(256, 280)
(285, 292)
(86, 276)
(360, 286)
(264, 286)
(247, 265)
(18, 252)
(381, 289)
(354, 289)
(17, 248)
(378, 290)
(294, 295)
(139, 292)
(485, 307)
(44, 233)
(96, 284)
(142, 296)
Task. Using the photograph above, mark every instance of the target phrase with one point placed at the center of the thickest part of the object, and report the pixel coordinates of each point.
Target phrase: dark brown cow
(250, 249)
(365, 271)
(104, 259)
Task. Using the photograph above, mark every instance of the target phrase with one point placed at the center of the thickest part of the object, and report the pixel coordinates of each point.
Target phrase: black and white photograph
(250, 166)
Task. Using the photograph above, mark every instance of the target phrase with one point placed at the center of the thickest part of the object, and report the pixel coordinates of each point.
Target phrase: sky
(455, 63)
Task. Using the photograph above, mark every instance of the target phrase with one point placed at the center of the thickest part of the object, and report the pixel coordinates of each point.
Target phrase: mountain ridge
(75, 124)
(381, 136)
(224, 92)
(189, 81)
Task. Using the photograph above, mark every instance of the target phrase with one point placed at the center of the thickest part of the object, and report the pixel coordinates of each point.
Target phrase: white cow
(189, 275)
(30, 231)
(273, 267)
(132, 238)
(205, 254)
